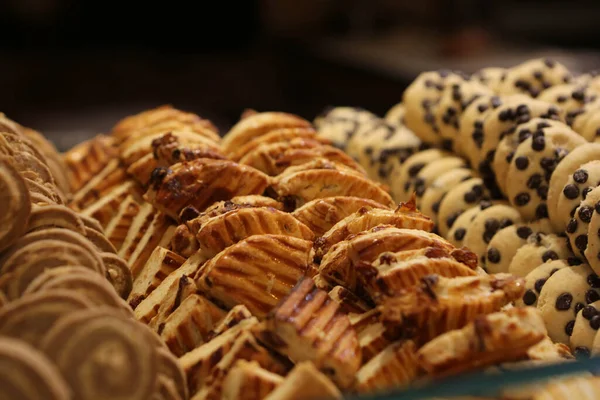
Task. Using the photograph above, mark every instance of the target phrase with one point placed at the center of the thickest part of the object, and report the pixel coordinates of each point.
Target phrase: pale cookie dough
(578, 226)
(579, 184)
(430, 202)
(539, 249)
(430, 172)
(592, 251)
(533, 76)
(339, 124)
(563, 295)
(491, 77)
(485, 225)
(560, 176)
(395, 115)
(470, 135)
(403, 173)
(421, 99)
(533, 165)
(459, 230)
(455, 99)
(536, 279)
(587, 323)
(462, 197)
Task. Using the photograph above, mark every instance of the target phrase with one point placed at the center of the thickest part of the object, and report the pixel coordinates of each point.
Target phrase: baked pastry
(257, 271)
(276, 136)
(236, 315)
(88, 158)
(305, 382)
(489, 339)
(247, 380)
(16, 202)
(199, 183)
(536, 279)
(439, 304)
(295, 329)
(320, 215)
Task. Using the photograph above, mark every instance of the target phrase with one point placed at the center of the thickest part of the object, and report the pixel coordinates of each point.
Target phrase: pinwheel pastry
(15, 202)
(321, 215)
(199, 183)
(487, 340)
(391, 272)
(298, 188)
(164, 118)
(339, 263)
(259, 124)
(257, 272)
(309, 326)
(405, 216)
(275, 136)
(441, 304)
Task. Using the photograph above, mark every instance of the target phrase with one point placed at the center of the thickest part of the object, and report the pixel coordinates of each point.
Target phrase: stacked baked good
(509, 173)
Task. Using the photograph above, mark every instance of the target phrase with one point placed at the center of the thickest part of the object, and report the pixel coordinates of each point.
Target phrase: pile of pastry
(504, 162)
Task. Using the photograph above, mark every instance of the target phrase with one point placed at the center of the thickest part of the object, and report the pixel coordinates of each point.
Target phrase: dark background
(72, 68)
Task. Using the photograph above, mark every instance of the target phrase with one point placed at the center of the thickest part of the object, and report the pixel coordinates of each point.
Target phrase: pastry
(320, 215)
(257, 271)
(235, 316)
(563, 295)
(106, 208)
(16, 203)
(462, 197)
(485, 225)
(439, 304)
(560, 177)
(489, 339)
(348, 301)
(305, 382)
(536, 279)
(534, 76)
(275, 136)
(87, 159)
(578, 227)
(540, 248)
(117, 273)
(247, 380)
(295, 329)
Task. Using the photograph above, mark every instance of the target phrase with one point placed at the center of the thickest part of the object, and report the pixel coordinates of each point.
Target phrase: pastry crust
(88, 158)
(200, 183)
(15, 202)
(248, 381)
(305, 382)
(275, 136)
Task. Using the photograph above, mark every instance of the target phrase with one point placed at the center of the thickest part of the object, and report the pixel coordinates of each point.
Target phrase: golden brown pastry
(58, 216)
(200, 183)
(305, 382)
(275, 136)
(107, 206)
(257, 272)
(15, 203)
(99, 185)
(309, 326)
(236, 315)
(87, 158)
(246, 380)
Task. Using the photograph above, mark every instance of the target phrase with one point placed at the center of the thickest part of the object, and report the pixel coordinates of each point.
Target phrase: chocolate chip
(585, 192)
(597, 207)
(524, 231)
(554, 270)
(510, 156)
(580, 176)
(435, 207)
(491, 224)
(483, 204)
(569, 327)
(582, 352)
(478, 190)
(459, 233)
(588, 312)
(538, 143)
(529, 297)
(505, 222)
(451, 219)
(478, 138)
(522, 162)
(593, 280)
(572, 226)
(571, 191)
(549, 63)
(522, 199)
(541, 211)
(563, 302)
(493, 255)
(548, 164)
(470, 197)
(488, 235)
(549, 255)
(585, 213)
(591, 296)
(578, 307)
(581, 242)
(595, 322)
(573, 261)
(539, 284)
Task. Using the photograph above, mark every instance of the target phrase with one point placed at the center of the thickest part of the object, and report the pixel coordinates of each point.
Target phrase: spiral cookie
(103, 355)
(118, 273)
(533, 76)
(486, 224)
(459, 229)
(455, 98)
(560, 177)
(536, 279)
(430, 202)
(463, 196)
(532, 166)
(587, 323)
(26, 374)
(431, 171)
(30, 318)
(539, 249)
(471, 127)
(169, 368)
(563, 295)
(576, 190)
(58, 216)
(339, 124)
(15, 203)
(577, 228)
(403, 174)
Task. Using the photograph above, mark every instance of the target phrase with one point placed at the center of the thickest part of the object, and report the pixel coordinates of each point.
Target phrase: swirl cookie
(539, 249)
(587, 323)
(461, 226)
(486, 224)
(532, 167)
(471, 127)
(462, 197)
(560, 177)
(339, 124)
(403, 173)
(577, 228)
(434, 193)
(536, 279)
(563, 295)
(578, 186)
(15, 202)
(533, 76)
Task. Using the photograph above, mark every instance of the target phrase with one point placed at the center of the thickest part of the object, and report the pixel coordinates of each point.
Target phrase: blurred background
(73, 68)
